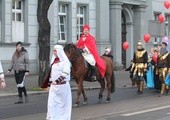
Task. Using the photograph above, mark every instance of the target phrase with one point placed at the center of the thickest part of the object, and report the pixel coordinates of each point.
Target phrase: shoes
(140, 92)
(26, 99)
(166, 91)
(160, 95)
(20, 101)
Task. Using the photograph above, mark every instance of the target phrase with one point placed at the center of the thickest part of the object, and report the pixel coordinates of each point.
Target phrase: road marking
(145, 111)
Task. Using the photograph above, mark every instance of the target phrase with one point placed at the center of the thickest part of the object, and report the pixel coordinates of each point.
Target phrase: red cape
(90, 43)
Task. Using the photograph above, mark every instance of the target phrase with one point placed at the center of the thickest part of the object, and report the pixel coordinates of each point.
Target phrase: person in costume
(150, 70)
(163, 67)
(157, 82)
(20, 64)
(108, 53)
(2, 79)
(131, 73)
(139, 66)
(59, 98)
(90, 53)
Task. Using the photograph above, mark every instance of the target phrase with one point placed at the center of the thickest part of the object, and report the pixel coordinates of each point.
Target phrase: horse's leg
(79, 91)
(102, 84)
(109, 86)
(84, 95)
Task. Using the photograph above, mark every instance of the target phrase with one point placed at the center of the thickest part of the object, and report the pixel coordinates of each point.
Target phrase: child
(131, 73)
(108, 53)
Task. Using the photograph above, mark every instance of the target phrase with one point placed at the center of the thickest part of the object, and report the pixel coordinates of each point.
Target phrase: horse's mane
(69, 46)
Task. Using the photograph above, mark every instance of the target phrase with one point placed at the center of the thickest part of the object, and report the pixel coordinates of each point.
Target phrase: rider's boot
(93, 73)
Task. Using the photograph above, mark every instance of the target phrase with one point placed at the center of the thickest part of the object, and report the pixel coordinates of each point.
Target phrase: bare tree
(43, 38)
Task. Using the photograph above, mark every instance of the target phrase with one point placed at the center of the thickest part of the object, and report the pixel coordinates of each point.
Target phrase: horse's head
(71, 51)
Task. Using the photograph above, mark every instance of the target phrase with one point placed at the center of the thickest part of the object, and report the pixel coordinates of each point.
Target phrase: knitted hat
(19, 43)
(164, 43)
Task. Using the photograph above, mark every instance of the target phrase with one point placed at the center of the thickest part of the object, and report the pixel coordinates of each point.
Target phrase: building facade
(112, 22)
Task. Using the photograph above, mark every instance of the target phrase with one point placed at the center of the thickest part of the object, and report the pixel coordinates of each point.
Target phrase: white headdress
(60, 53)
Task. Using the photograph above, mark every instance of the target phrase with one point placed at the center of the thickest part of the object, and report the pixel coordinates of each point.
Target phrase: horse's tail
(113, 82)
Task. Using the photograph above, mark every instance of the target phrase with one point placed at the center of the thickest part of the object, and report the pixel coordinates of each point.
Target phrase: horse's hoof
(76, 105)
(100, 100)
(107, 100)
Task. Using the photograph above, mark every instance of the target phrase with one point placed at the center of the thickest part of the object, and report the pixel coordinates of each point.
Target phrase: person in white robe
(60, 97)
(2, 80)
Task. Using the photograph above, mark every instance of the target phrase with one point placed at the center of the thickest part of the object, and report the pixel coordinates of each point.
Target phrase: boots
(133, 82)
(93, 73)
(167, 90)
(26, 99)
(141, 87)
(163, 88)
(25, 94)
(20, 101)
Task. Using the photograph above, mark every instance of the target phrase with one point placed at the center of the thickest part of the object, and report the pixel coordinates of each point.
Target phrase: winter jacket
(20, 62)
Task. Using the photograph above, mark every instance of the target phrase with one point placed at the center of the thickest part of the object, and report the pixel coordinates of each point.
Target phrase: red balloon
(167, 4)
(161, 18)
(146, 37)
(155, 58)
(125, 45)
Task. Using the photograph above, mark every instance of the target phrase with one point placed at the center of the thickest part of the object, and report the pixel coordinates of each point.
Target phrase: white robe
(88, 57)
(59, 102)
(1, 71)
(60, 98)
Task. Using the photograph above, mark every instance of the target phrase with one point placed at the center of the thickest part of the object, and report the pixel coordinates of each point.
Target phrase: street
(125, 105)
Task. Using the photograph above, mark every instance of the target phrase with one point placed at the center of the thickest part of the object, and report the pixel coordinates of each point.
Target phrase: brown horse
(80, 72)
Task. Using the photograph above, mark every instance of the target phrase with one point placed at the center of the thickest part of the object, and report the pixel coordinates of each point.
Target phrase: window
(17, 20)
(81, 12)
(17, 10)
(167, 18)
(157, 39)
(62, 20)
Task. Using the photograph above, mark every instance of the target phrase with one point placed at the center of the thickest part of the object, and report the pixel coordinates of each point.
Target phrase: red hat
(86, 26)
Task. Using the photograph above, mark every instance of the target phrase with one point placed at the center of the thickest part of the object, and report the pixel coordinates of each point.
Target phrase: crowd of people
(151, 69)
(144, 68)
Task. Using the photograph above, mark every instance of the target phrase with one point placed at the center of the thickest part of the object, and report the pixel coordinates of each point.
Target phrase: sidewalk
(31, 83)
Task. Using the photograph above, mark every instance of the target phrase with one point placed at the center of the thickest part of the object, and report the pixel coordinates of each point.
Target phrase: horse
(80, 71)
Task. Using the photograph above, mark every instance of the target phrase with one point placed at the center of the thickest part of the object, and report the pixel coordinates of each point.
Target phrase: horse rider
(163, 67)
(90, 53)
(139, 66)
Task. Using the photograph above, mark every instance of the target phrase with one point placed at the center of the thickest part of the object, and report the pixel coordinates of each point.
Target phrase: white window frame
(63, 14)
(79, 17)
(16, 11)
(157, 39)
(166, 25)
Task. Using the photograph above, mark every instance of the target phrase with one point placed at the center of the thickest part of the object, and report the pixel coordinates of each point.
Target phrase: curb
(45, 91)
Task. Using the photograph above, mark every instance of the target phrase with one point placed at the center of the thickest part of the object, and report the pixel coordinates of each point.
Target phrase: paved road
(125, 105)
